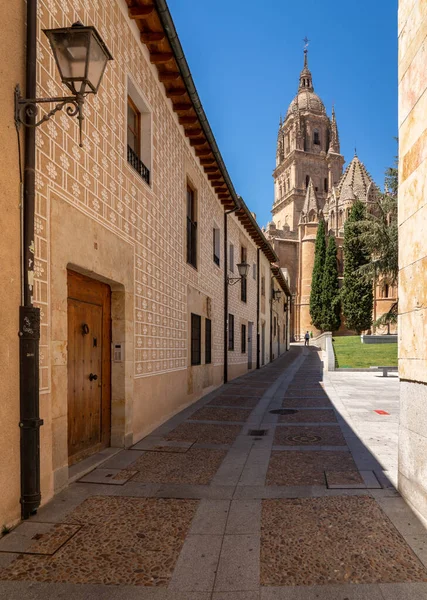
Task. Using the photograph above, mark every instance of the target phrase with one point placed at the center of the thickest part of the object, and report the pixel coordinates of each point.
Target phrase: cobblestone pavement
(263, 490)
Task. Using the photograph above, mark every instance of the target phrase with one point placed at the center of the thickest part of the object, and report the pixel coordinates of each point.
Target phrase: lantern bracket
(26, 109)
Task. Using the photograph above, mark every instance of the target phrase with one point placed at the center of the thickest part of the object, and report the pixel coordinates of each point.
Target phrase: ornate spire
(310, 211)
(334, 144)
(305, 79)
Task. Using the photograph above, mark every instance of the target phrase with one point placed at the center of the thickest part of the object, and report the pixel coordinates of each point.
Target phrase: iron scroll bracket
(27, 110)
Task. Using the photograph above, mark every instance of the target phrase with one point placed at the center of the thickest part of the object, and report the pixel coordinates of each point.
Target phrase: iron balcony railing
(138, 165)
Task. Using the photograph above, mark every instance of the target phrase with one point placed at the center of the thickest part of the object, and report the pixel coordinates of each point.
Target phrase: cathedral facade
(310, 185)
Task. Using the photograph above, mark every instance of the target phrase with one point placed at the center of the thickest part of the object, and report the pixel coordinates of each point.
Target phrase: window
(386, 291)
(208, 341)
(263, 286)
(307, 180)
(254, 271)
(231, 332)
(134, 144)
(325, 184)
(196, 342)
(231, 266)
(274, 327)
(191, 228)
(216, 245)
(316, 137)
(244, 280)
(243, 339)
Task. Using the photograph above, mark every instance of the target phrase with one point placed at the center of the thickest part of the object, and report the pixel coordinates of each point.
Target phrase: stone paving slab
(213, 434)
(196, 567)
(238, 568)
(307, 468)
(333, 540)
(196, 466)
(211, 413)
(38, 538)
(310, 416)
(130, 541)
(323, 592)
(310, 436)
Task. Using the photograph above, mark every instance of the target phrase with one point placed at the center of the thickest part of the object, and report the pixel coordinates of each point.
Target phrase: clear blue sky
(246, 56)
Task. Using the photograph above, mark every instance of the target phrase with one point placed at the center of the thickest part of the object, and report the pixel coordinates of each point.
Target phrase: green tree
(357, 293)
(379, 232)
(316, 307)
(331, 317)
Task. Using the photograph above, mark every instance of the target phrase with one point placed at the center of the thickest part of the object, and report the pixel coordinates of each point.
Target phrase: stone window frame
(141, 104)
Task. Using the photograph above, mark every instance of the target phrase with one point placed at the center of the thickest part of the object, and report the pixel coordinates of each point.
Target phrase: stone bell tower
(308, 165)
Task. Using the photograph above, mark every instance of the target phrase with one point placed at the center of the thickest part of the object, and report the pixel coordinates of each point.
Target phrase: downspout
(271, 324)
(29, 316)
(258, 280)
(226, 213)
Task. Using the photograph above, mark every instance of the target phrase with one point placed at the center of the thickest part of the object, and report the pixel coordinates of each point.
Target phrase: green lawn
(351, 353)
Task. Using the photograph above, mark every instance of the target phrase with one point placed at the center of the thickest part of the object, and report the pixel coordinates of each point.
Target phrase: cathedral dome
(306, 100)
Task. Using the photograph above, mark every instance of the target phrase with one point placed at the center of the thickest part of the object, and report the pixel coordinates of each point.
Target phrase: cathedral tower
(307, 149)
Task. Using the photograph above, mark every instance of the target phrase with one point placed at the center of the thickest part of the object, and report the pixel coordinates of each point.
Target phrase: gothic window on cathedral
(386, 291)
(325, 184)
(316, 137)
(307, 180)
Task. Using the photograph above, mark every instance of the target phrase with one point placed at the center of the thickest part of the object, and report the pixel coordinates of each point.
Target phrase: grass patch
(350, 353)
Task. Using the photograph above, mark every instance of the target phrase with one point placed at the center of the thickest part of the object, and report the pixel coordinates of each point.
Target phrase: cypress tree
(356, 293)
(316, 308)
(331, 319)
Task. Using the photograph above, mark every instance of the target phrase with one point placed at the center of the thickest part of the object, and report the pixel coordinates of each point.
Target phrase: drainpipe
(226, 213)
(29, 315)
(258, 280)
(271, 323)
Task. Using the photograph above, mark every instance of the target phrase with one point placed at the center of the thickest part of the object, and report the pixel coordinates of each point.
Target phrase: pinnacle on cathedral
(311, 211)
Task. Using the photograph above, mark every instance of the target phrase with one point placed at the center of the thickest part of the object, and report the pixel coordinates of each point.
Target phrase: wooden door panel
(89, 402)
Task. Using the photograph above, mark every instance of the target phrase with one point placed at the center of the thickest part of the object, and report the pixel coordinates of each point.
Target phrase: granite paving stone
(212, 434)
(210, 413)
(196, 466)
(234, 401)
(308, 402)
(311, 436)
(126, 541)
(309, 416)
(306, 468)
(319, 541)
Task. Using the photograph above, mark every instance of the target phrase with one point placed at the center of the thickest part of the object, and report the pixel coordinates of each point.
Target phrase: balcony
(138, 165)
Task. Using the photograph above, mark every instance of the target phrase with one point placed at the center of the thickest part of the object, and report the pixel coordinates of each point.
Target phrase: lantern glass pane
(97, 62)
(71, 53)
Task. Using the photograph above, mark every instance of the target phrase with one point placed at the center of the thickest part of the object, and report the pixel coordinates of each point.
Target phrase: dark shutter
(196, 339)
(208, 341)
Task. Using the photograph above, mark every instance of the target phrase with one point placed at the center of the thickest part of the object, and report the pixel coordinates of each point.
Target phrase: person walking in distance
(306, 338)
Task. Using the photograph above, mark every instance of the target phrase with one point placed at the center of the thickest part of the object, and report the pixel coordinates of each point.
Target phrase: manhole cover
(257, 432)
(304, 439)
(283, 411)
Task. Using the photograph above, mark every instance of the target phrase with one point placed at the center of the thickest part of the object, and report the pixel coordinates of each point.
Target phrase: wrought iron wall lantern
(276, 295)
(81, 57)
(243, 269)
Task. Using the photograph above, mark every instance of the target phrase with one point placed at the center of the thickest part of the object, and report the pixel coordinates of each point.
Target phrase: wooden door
(89, 366)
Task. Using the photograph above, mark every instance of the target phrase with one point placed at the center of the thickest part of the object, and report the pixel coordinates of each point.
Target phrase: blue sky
(246, 56)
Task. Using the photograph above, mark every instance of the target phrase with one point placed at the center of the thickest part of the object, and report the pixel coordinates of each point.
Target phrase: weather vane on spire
(307, 43)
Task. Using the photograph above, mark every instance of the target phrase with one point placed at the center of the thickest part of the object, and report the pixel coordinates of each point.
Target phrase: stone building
(309, 185)
(132, 263)
(412, 466)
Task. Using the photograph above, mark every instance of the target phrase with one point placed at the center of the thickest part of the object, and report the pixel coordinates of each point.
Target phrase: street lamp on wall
(243, 269)
(81, 57)
(277, 294)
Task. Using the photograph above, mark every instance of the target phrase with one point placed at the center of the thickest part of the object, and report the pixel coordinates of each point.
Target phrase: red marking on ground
(381, 412)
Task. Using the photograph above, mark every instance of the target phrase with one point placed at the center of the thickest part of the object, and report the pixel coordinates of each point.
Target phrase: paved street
(277, 486)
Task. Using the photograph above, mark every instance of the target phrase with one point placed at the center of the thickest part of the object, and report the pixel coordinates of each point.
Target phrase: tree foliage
(316, 307)
(379, 232)
(331, 303)
(357, 292)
